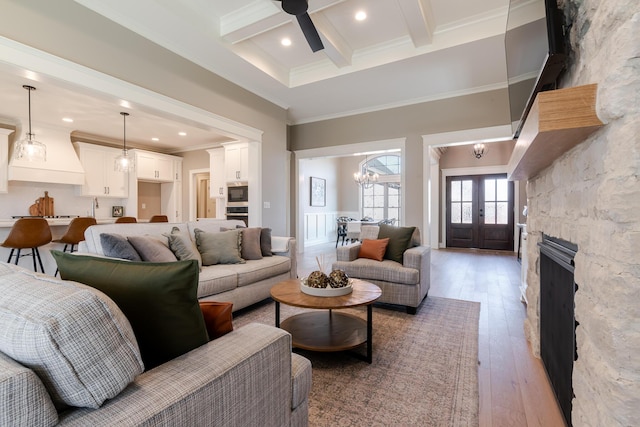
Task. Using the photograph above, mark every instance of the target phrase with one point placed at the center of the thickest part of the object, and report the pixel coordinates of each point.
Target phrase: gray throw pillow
(117, 246)
(151, 249)
(182, 246)
(219, 248)
(250, 247)
(265, 242)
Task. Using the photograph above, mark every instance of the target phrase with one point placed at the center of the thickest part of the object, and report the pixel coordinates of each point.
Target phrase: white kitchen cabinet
(217, 174)
(177, 169)
(236, 157)
(154, 166)
(101, 178)
(4, 158)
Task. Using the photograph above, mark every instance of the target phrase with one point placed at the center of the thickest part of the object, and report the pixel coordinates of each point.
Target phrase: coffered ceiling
(404, 52)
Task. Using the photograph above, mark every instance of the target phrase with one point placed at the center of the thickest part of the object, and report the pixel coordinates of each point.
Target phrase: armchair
(404, 284)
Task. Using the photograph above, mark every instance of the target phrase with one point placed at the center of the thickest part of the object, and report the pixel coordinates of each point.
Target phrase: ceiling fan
(298, 8)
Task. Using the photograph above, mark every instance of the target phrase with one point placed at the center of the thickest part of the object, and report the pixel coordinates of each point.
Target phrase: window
(382, 199)
(461, 201)
(496, 201)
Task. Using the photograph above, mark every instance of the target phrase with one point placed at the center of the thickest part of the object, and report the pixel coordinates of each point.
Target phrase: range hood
(61, 167)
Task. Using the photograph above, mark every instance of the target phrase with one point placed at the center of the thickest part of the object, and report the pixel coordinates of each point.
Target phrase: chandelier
(479, 150)
(29, 149)
(365, 178)
(124, 162)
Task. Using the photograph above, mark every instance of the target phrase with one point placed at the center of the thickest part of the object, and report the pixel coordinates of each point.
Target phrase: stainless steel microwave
(238, 195)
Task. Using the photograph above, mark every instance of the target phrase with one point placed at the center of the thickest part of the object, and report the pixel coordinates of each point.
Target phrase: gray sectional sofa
(241, 284)
(68, 356)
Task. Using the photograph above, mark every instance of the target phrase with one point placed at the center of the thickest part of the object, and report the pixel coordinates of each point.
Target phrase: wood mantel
(558, 121)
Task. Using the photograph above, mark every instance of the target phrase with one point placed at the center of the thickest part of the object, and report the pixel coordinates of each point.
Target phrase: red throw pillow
(217, 318)
(373, 249)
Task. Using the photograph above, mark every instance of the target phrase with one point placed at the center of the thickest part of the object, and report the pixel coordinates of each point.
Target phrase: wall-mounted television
(535, 52)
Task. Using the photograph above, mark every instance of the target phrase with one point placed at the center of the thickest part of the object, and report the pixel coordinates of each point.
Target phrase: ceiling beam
(419, 18)
(335, 46)
(260, 16)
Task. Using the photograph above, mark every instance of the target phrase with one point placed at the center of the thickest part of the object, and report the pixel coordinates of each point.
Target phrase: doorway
(205, 205)
(479, 212)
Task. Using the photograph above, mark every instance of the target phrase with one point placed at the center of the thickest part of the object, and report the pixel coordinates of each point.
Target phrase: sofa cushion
(216, 279)
(25, 401)
(265, 268)
(219, 248)
(117, 246)
(72, 336)
(182, 246)
(217, 317)
(386, 271)
(151, 249)
(399, 240)
(373, 249)
(159, 299)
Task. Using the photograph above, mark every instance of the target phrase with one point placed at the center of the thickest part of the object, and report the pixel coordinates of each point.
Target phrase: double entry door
(480, 212)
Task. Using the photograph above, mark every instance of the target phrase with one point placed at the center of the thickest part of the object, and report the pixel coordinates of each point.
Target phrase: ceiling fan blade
(310, 32)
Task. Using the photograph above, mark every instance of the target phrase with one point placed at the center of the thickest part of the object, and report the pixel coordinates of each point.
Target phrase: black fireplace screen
(557, 320)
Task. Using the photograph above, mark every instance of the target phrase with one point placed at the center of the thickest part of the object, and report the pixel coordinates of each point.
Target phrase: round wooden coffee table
(326, 330)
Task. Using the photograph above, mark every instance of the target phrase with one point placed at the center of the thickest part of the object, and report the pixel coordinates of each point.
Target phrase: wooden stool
(28, 233)
(125, 219)
(159, 218)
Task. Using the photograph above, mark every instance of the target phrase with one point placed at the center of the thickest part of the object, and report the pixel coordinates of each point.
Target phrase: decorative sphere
(339, 279)
(317, 279)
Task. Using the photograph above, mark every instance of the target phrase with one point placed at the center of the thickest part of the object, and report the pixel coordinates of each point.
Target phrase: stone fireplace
(591, 196)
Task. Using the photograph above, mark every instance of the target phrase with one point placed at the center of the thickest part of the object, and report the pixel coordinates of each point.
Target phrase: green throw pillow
(219, 248)
(399, 240)
(159, 299)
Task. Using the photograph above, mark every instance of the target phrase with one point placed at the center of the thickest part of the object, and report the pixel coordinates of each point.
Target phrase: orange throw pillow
(373, 249)
(217, 318)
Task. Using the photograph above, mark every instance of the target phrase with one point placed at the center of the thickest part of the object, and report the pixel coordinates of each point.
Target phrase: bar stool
(75, 232)
(123, 219)
(28, 233)
(159, 218)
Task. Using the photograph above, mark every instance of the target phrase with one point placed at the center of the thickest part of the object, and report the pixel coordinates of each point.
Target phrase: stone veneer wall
(591, 196)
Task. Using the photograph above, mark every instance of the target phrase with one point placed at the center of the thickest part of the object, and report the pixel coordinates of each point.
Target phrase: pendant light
(29, 149)
(365, 178)
(124, 162)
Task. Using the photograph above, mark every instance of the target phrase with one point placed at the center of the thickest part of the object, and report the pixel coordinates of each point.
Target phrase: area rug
(424, 370)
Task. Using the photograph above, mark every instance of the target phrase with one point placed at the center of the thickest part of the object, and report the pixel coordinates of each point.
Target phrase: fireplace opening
(558, 348)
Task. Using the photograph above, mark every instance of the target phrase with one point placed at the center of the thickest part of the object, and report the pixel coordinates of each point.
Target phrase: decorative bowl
(325, 292)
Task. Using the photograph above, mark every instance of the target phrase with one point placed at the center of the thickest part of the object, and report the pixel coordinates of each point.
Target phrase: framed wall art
(318, 195)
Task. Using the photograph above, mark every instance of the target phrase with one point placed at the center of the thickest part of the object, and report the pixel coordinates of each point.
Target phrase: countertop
(53, 222)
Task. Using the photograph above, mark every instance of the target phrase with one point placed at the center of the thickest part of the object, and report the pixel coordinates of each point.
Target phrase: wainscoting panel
(320, 227)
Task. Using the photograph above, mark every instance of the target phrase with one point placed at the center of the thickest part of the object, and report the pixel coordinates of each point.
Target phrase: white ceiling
(405, 52)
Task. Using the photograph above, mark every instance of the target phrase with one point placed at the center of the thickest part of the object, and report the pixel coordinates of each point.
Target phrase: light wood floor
(514, 390)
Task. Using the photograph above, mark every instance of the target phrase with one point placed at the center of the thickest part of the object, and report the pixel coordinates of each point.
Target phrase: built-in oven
(238, 195)
(238, 212)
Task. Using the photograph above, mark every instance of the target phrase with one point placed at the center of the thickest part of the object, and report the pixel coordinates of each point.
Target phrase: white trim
(484, 170)
(469, 136)
(37, 61)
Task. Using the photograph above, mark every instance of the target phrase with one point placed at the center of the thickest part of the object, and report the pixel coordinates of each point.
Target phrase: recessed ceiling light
(155, 139)
(286, 41)
(67, 119)
(361, 15)
(125, 104)
(182, 133)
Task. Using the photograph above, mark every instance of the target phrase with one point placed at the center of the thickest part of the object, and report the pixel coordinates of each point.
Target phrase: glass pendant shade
(29, 149)
(124, 162)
